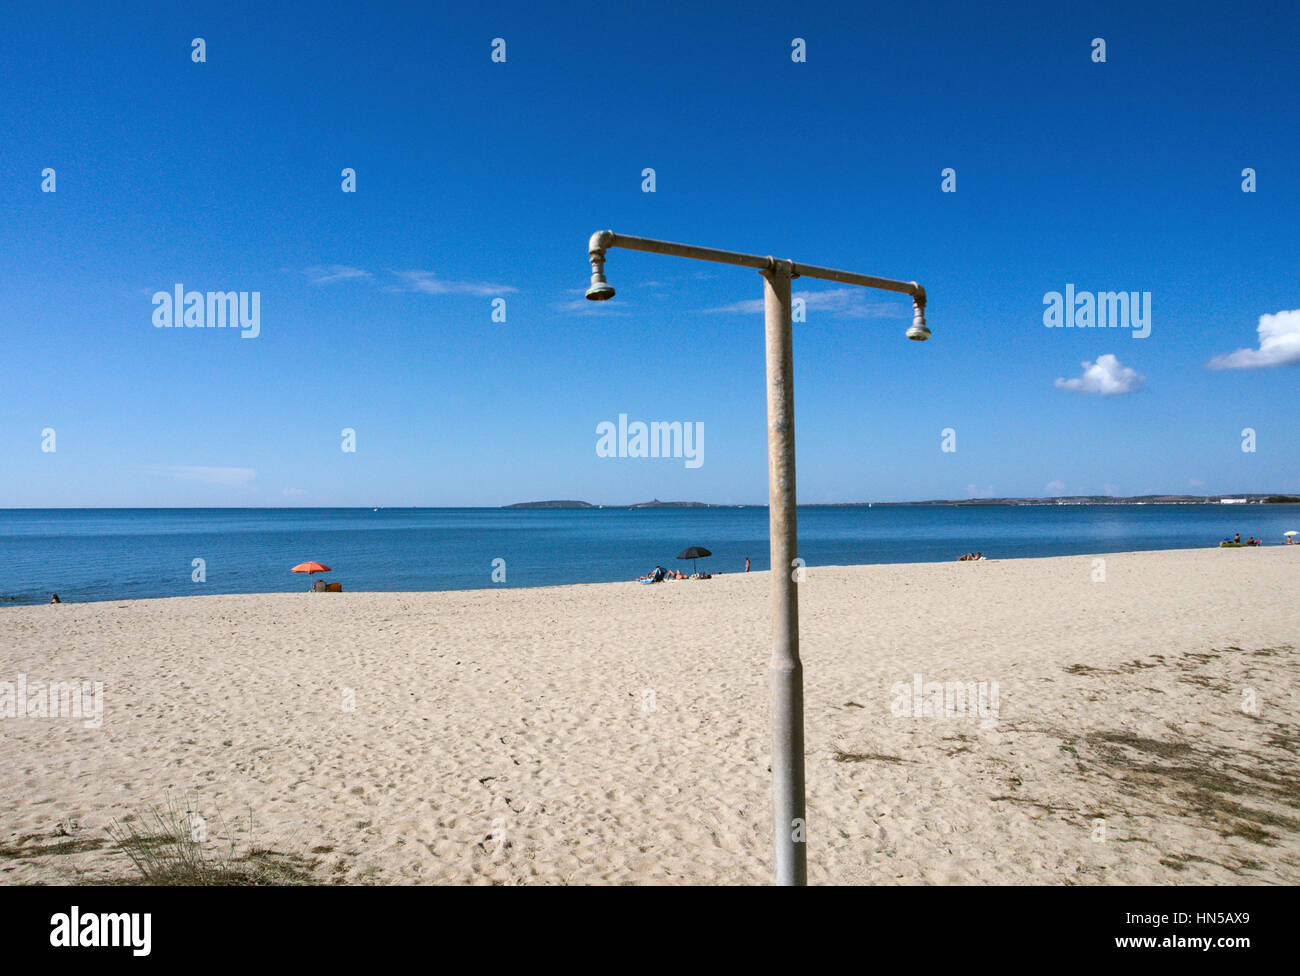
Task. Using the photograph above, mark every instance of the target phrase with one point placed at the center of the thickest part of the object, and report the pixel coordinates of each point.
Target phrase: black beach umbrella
(694, 553)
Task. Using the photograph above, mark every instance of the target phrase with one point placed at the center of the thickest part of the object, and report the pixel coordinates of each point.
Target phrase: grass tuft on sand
(169, 847)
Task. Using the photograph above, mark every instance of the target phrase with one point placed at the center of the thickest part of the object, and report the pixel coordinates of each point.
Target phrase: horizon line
(577, 504)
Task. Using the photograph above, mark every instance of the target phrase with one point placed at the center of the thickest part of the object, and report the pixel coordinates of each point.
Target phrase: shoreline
(552, 586)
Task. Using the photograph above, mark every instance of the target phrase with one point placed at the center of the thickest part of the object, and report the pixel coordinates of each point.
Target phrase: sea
(117, 554)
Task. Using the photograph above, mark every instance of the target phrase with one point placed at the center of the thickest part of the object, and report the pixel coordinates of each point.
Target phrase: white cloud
(975, 491)
(330, 273)
(212, 476)
(1055, 487)
(670, 279)
(584, 307)
(1195, 483)
(426, 283)
(840, 303)
(1106, 376)
(1279, 345)
(581, 305)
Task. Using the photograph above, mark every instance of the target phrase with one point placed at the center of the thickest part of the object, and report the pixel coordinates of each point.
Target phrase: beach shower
(601, 290)
(919, 331)
(789, 825)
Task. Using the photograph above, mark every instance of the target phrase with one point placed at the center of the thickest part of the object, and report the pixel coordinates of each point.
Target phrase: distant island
(653, 503)
(551, 504)
(1245, 499)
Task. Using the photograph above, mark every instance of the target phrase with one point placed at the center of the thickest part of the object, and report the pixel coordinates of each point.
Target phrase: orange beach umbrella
(310, 568)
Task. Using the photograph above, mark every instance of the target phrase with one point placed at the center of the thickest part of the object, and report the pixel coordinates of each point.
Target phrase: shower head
(600, 289)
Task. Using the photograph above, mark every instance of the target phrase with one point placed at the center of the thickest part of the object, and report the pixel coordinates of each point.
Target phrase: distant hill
(656, 503)
(1244, 498)
(653, 503)
(1249, 498)
(552, 504)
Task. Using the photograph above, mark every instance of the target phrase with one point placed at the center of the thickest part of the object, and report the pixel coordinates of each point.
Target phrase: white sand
(522, 712)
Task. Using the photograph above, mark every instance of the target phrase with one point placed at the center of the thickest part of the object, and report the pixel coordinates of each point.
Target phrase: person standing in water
(747, 564)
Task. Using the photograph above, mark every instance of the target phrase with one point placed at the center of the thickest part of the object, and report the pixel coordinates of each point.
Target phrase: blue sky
(478, 180)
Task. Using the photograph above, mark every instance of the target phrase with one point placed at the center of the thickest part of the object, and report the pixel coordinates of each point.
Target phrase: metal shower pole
(789, 821)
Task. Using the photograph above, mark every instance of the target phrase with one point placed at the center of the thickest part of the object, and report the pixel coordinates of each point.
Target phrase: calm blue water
(111, 554)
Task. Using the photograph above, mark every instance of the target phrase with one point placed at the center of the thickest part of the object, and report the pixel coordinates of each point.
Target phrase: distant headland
(1243, 499)
(653, 503)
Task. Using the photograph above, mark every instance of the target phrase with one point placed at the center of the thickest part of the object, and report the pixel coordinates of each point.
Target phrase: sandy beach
(1143, 728)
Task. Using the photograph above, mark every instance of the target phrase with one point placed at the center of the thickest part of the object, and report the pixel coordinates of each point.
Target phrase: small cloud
(293, 492)
(744, 308)
(427, 283)
(585, 305)
(212, 476)
(975, 491)
(688, 276)
(1056, 487)
(1279, 345)
(1106, 376)
(330, 273)
(1109, 489)
(1195, 483)
(840, 303)
(581, 305)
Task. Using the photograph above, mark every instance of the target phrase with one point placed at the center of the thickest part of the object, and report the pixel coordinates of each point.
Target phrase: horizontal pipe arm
(866, 281)
(601, 240)
(610, 239)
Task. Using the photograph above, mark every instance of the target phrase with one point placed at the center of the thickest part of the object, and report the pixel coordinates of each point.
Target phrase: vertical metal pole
(789, 826)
